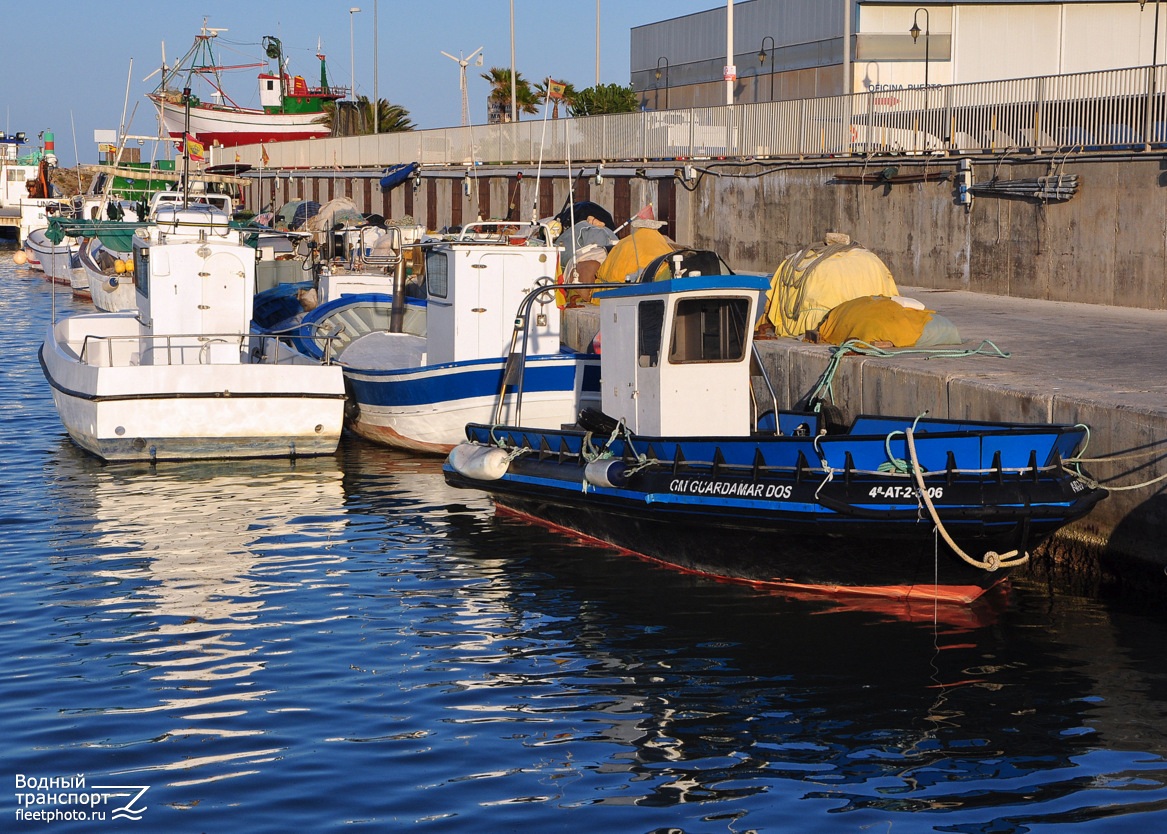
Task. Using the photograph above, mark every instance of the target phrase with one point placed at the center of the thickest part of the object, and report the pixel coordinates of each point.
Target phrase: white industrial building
(799, 49)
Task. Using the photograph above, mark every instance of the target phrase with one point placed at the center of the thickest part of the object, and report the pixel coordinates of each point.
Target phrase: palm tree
(500, 93)
(356, 118)
(567, 99)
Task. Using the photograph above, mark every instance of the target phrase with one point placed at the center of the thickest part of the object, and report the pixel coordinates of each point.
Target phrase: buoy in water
(19, 257)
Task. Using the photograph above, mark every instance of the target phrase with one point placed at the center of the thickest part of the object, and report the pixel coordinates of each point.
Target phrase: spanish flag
(555, 89)
(193, 148)
(264, 158)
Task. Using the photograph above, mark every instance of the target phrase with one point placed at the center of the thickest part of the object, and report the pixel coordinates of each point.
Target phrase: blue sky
(68, 74)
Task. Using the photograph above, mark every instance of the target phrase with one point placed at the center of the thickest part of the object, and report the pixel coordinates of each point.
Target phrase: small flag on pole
(264, 158)
(193, 148)
(555, 89)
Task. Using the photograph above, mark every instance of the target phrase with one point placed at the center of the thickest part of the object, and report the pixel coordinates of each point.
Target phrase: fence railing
(1115, 109)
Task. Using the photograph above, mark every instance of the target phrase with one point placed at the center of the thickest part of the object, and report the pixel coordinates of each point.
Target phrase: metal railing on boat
(196, 349)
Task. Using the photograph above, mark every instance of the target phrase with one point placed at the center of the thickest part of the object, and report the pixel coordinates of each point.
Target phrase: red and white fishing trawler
(290, 108)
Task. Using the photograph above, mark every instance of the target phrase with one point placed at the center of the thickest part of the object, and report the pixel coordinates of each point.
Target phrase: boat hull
(751, 510)
(120, 411)
(58, 261)
(426, 409)
(230, 126)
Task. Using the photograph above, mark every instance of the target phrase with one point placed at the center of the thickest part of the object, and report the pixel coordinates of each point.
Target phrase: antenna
(462, 64)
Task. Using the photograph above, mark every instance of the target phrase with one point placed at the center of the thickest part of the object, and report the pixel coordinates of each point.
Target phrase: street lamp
(352, 61)
(762, 61)
(376, 72)
(915, 33)
(1155, 43)
(666, 74)
(1154, 75)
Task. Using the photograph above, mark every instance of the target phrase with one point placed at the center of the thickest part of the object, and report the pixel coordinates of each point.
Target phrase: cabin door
(225, 306)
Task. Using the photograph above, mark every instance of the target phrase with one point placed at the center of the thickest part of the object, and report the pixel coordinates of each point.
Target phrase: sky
(72, 78)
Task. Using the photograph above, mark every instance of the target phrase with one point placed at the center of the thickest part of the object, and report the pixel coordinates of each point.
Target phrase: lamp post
(1155, 41)
(514, 82)
(376, 72)
(666, 75)
(597, 43)
(915, 33)
(352, 60)
(1154, 83)
(762, 61)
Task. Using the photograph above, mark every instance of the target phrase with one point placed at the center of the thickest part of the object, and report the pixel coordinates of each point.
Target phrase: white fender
(609, 473)
(480, 463)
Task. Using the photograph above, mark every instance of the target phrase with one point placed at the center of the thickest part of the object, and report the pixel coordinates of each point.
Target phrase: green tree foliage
(355, 118)
(604, 98)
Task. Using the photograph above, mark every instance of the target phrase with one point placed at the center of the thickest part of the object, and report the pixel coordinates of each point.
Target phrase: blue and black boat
(679, 466)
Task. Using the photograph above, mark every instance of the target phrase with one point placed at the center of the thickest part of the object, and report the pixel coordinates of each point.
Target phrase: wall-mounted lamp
(599, 178)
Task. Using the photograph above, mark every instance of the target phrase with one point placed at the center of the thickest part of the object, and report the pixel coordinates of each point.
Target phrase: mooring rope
(863, 348)
(992, 560)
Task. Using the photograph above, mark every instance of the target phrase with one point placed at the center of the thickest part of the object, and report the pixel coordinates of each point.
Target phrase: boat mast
(186, 148)
(274, 50)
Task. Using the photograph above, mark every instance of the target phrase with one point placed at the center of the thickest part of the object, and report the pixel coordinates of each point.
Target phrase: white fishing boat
(182, 376)
(418, 390)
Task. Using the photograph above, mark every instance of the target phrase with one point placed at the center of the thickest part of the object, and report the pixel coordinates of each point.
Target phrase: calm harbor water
(346, 643)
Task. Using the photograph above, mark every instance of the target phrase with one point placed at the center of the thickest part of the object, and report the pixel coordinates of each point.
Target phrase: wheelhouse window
(709, 330)
(437, 273)
(142, 269)
(650, 318)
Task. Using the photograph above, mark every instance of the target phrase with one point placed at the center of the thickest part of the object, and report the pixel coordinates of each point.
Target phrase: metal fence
(1115, 109)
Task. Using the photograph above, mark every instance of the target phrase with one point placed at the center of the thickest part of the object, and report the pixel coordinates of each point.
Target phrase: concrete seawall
(1106, 245)
(1071, 363)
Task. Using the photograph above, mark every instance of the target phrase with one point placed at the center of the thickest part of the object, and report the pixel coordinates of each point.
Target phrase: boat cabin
(676, 355)
(193, 276)
(195, 198)
(474, 288)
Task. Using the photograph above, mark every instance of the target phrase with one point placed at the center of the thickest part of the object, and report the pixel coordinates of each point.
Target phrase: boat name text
(730, 489)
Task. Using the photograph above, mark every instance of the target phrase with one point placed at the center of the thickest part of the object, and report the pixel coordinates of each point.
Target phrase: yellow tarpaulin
(810, 283)
(874, 319)
(633, 254)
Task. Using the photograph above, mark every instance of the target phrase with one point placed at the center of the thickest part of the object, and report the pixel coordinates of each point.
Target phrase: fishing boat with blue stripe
(418, 391)
(682, 465)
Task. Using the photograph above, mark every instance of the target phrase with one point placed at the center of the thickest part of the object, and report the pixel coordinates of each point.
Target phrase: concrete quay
(1068, 362)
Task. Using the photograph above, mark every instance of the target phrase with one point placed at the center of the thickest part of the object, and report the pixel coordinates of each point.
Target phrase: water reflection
(181, 570)
(610, 671)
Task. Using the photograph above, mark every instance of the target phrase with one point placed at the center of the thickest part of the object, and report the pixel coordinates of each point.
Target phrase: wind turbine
(462, 64)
